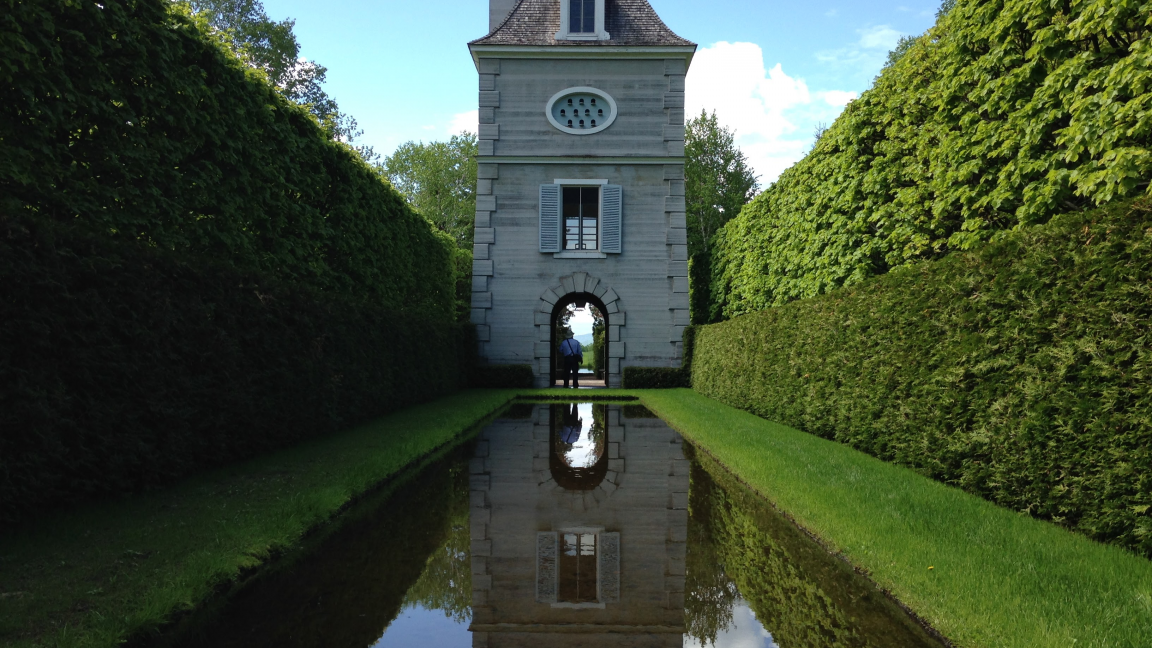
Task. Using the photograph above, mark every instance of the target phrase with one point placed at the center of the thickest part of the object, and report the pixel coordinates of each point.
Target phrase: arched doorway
(596, 356)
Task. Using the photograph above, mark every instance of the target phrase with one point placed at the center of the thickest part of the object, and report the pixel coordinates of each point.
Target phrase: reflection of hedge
(121, 117)
(1021, 372)
(739, 547)
(1007, 112)
(124, 367)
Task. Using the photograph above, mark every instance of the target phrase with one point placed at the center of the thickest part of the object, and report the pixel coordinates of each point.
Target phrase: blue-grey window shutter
(546, 565)
(610, 219)
(609, 567)
(549, 218)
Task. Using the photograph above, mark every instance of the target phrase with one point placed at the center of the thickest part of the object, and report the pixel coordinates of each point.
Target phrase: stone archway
(578, 282)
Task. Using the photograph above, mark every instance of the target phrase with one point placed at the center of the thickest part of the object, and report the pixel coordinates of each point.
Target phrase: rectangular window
(577, 568)
(582, 16)
(581, 218)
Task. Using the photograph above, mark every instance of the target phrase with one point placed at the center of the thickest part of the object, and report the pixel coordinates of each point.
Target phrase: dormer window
(581, 16)
(582, 20)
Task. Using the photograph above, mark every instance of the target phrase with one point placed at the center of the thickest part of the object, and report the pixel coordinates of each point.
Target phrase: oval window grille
(596, 107)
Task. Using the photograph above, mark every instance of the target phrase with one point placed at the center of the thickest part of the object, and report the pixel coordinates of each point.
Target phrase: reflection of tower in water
(579, 522)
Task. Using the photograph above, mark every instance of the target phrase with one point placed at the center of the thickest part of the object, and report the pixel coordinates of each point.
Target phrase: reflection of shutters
(549, 218)
(613, 206)
(546, 567)
(609, 567)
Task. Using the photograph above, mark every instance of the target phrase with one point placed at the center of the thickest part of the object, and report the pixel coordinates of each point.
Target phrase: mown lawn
(97, 575)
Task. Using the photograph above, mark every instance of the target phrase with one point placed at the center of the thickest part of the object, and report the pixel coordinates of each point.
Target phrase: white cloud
(745, 631)
(866, 54)
(881, 37)
(465, 121)
(772, 114)
(839, 98)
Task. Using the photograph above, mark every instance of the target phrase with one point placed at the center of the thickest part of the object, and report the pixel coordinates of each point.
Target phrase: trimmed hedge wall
(654, 378)
(122, 117)
(191, 271)
(1021, 372)
(503, 376)
(122, 367)
(1005, 113)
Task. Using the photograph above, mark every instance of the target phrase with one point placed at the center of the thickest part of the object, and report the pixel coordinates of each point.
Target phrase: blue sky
(772, 70)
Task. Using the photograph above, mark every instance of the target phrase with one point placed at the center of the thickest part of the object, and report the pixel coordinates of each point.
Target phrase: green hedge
(1007, 112)
(192, 271)
(123, 367)
(503, 376)
(122, 117)
(654, 377)
(1021, 371)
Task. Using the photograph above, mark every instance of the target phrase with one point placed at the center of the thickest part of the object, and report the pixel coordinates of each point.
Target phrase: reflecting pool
(569, 524)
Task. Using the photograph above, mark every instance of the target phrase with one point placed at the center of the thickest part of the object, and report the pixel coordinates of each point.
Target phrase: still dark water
(560, 525)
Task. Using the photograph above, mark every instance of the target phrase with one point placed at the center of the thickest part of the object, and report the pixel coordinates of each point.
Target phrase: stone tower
(581, 180)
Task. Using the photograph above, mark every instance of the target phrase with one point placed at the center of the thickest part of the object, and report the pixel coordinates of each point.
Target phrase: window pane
(589, 16)
(571, 202)
(574, 14)
(590, 201)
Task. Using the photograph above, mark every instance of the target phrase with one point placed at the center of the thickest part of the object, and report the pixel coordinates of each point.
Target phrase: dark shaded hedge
(1021, 371)
(654, 377)
(1006, 113)
(191, 270)
(503, 376)
(122, 116)
(123, 367)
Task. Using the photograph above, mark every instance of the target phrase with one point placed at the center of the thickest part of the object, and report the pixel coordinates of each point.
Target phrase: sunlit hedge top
(1005, 113)
(124, 117)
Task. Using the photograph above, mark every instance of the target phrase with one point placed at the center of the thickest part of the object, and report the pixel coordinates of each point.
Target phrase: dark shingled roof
(628, 22)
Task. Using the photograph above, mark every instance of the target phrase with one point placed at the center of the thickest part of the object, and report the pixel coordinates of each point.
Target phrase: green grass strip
(96, 575)
(997, 578)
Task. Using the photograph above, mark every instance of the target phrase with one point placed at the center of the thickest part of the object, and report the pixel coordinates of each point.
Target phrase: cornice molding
(582, 52)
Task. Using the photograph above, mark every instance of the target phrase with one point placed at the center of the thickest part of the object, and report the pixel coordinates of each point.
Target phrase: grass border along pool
(979, 574)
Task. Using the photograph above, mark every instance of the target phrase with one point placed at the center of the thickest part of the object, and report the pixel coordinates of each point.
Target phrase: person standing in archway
(573, 355)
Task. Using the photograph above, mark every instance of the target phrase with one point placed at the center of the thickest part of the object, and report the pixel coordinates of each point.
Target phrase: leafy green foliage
(598, 354)
(271, 47)
(123, 118)
(1020, 372)
(1004, 114)
(439, 181)
(503, 376)
(717, 179)
(654, 377)
(126, 367)
(699, 297)
(195, 271)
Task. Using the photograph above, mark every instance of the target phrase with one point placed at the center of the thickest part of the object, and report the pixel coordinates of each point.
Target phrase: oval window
(558, 115)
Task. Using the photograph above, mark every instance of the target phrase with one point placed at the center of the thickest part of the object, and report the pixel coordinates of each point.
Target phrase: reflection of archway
(562, 424)
(579, 282)
(558, 308)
